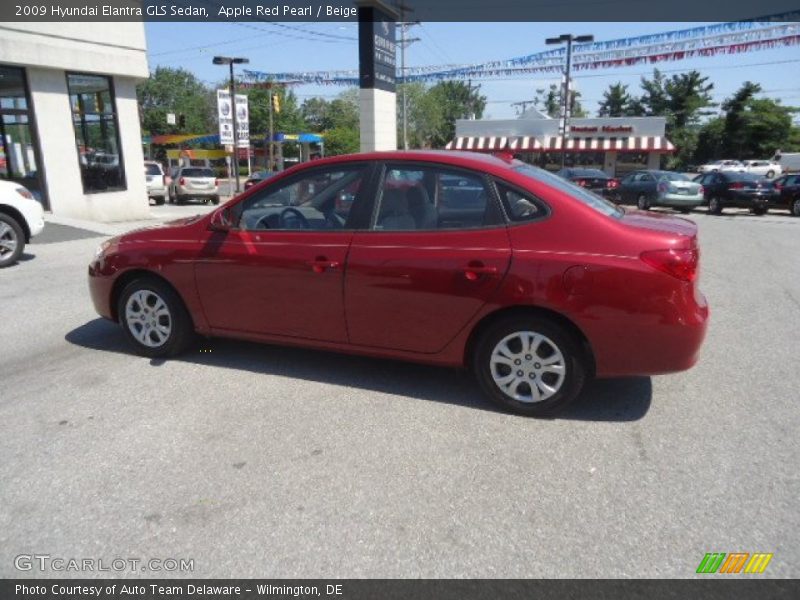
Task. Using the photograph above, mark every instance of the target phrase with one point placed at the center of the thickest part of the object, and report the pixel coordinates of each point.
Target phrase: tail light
(681, 264)
(612, 184)
(778, 187)
(581, 182)
(702, 190)
(182, 181)
(736, 185)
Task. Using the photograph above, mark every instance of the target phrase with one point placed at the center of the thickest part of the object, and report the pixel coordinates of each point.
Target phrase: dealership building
(615, 145)
(69, 119)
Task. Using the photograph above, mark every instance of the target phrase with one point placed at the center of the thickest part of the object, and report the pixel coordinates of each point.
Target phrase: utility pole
(569, 39)
(271, 164)
(471, 113)
(404, 42)
(230, 61)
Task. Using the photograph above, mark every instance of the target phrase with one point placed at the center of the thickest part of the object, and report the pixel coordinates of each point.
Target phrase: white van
(789, 161)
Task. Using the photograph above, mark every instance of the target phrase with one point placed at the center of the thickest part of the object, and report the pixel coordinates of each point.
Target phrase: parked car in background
(739, 190)
(721, 165)
(648, 188)
(789, 161)
(520, 281)
(194, 183)
(21, 218)
(766, 168)
(156, 182)
(257, 177)
(594, 180)
(786, 193)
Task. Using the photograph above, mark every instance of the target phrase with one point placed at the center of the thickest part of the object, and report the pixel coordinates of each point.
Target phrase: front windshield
(581, 194)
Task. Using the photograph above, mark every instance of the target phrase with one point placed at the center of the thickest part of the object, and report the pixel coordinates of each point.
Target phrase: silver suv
(156, 182)
(194, 183)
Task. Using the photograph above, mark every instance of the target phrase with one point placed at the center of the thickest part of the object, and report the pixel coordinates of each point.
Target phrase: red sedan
(448, 258)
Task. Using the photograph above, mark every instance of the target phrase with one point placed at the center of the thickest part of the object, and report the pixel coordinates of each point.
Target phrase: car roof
(456, 158)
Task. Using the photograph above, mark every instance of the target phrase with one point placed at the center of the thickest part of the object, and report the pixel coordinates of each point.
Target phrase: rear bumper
(680, 200)
(189, 193)
(157, 191)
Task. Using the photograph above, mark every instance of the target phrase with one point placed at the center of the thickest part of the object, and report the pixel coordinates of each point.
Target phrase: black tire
(715, 206)
(574, 364)
(642, 202)
(160, 200)
(215, 200)
(795, 207)
(759, 211)
(181, 332)
(684, 211)
(770, 174)
(13, 235)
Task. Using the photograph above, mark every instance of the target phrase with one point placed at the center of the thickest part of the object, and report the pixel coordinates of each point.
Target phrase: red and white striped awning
(496, 144)
(643, 143)
(658, 144)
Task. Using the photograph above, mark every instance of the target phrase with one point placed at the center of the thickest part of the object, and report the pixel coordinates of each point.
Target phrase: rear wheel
(154, 318)
(12, 240)
(684, 211)
(770, 174)
(529, 365)
(160, 200)
(642, 202)
(759, 210)
(215, 200)
(796, 207)
(715, 206)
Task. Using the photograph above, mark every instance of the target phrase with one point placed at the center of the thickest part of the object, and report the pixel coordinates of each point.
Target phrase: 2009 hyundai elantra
(447, 258)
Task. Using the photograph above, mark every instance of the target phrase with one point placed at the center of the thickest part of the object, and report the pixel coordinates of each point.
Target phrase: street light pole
(230, 61)
(569, 39)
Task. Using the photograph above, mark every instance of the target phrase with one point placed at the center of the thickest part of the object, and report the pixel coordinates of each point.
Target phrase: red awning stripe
(555, 143)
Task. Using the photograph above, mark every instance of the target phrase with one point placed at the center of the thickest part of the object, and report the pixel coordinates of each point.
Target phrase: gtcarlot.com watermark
(45, 563)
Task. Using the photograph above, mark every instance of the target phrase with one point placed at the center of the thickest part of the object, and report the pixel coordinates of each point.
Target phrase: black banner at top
(416, 10)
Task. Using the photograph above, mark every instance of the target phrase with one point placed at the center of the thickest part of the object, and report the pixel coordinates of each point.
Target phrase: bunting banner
(709, 40)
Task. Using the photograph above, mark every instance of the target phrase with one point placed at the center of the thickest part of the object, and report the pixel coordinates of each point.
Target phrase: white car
(767, 168)
(721, 165)
(156, 182)
(21, 218)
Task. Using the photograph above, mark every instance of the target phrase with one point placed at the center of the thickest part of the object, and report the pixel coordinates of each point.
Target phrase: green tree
(177, 91)
(616, 101)
(454, 100)
(551, 101)
(342, 140)
(710, 141)
(755, 127)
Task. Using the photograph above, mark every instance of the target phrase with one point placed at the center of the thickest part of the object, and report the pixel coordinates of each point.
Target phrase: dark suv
(786, 193)
(740, 190)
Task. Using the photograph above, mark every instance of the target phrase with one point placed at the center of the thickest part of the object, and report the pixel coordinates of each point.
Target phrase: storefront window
(96, 132)
(630, 161)
(18, 148)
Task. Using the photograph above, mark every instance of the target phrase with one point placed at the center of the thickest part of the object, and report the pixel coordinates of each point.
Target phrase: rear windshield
(197, 173)
(743, 176)
(587, 173)
(598, 203)
(152, 170)
(670, 176)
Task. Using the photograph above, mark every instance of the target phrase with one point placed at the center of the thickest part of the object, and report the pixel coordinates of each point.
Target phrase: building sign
(377, 49)
(607, 129)
(225, 118)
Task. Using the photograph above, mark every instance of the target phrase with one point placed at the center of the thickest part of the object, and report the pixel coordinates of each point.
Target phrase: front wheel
(12, 240)
(529, 365)
(154, 318)
(770, 174)
(759, 211)
(642, 202)
(796, 207)
(715, 206)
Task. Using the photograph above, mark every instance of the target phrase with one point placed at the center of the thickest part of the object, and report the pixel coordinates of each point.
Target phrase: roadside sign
(225, 117)
(243, 121)
(171, 119)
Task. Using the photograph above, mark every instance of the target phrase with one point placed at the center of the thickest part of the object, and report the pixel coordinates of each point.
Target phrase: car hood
(157, 230)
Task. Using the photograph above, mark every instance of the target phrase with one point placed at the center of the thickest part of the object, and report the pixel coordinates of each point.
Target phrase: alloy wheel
(8, 240)
(528, 366)
(148, 318)
(642, 202)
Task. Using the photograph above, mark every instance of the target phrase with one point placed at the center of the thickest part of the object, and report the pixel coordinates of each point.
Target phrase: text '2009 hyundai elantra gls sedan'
(447, 258)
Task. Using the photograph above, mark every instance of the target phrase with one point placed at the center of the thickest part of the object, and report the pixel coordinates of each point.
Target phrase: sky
(274, 49)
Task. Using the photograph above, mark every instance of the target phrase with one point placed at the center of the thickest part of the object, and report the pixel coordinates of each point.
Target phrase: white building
(69, 119)
(615, 145)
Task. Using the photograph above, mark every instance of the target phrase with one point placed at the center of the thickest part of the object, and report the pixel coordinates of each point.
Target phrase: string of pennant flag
(722, 38)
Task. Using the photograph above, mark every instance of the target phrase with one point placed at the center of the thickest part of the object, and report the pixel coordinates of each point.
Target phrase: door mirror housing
(221, 221)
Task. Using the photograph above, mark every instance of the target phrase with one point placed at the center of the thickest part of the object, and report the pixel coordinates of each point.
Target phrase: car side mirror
(221, 221)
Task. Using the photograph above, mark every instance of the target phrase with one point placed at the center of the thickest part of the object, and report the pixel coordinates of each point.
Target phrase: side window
(630, 178)
(417, 198)
(319, 200)
(519, 206)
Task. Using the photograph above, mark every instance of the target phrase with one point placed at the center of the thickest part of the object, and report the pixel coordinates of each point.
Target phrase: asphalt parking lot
(259, 461)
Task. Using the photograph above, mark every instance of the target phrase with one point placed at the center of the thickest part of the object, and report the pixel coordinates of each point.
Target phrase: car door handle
(321, 264)
(475, 269)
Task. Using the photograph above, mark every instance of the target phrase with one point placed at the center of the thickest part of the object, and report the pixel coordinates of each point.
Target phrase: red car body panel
(420, 295)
